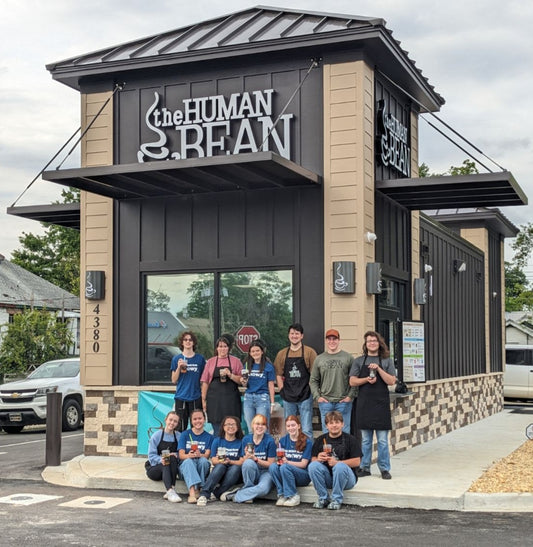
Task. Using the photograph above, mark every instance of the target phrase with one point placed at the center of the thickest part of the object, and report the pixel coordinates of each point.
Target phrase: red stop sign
(245, 336)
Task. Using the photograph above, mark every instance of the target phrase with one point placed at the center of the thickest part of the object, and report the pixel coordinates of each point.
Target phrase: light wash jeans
(257, 482)
(287, 477)
(339, 479)
(382, 436)
(344, 408)
(305, 410)
(225, 476)
(194, 471)
(255, 403)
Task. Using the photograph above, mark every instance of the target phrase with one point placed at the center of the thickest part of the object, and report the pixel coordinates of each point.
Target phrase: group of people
(212, 466)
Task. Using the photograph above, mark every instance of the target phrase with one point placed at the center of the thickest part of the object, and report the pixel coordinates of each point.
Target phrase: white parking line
(40, 440)
(95, 502)
(23, 498)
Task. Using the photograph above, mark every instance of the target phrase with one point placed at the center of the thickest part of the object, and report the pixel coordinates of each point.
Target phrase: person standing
(335, 457)
(186, 371)
(330, 383)
(220, 381)
(372, 373)
(293, 371)
(259, 382)
(194, 451)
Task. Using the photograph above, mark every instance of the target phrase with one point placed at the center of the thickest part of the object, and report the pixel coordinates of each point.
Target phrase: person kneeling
(335, 457)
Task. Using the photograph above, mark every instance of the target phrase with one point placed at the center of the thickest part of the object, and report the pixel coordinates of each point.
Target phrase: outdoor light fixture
(428, 268)
(370, 237)
(459, 266)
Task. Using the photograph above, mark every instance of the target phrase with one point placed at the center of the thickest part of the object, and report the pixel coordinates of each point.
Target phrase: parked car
(158, 362)
(518, 376)
(24, 402)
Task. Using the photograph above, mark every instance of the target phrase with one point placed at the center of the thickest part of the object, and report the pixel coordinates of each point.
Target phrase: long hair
(185, 333)
(238, 434)
(383, 351)
(249, 359)
(301, 441)
(165, 424)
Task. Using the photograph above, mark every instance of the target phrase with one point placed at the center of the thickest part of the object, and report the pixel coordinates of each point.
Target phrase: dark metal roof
(474, 218)
(191, 176)
(257, 30)
(62, 214)
(444, 192)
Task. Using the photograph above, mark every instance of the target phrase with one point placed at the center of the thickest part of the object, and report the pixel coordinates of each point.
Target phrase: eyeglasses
(230, 424)
(187, 340)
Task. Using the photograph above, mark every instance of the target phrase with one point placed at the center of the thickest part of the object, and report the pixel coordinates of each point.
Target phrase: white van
(518, 377)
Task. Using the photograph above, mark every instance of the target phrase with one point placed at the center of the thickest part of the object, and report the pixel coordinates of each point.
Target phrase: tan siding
(415, 218)
(348, 193)
(96, 217)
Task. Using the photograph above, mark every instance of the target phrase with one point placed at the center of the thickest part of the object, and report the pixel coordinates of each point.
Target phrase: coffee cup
(280, 454)
(165, 456)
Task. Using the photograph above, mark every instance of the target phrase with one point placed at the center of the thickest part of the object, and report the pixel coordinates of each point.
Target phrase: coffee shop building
(261, 168)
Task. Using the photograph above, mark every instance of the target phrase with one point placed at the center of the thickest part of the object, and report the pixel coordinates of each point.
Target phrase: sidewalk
(435, 475)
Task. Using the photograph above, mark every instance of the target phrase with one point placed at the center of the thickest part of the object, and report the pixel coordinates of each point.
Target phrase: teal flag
(152, 409)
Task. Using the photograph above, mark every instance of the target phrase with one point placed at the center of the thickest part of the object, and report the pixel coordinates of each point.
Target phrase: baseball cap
(333, 332)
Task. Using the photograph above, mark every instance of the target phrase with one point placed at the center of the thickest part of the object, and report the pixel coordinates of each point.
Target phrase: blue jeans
(382, 436)
(305, 410)
(194, 471)
(225, 476)
(255, 403)
(344, 408)
(257, 482)
(287, 477)
(339, 479)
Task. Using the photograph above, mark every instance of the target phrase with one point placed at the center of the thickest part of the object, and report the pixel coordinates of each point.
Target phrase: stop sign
(245, 336)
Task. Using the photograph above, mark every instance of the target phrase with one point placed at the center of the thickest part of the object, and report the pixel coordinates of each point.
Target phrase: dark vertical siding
(496, 302)
(455, 311)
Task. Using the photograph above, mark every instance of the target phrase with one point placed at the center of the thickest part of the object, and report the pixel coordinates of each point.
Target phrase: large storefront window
(211, 304)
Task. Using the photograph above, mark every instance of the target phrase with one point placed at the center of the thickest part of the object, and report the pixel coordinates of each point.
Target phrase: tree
(523, 245)
(518, 294)
(34, 336)
(468, 167)
(55, 255)
(157, 301)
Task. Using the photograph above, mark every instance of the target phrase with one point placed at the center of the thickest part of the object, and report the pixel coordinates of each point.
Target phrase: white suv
(24, 402)
(518, 377)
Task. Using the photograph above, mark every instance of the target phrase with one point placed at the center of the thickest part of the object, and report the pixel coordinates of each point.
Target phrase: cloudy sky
(478, 55)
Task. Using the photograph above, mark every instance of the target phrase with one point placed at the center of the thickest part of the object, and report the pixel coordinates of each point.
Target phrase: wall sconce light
(494, 294)
(459, 266)
(95, 285)
(420, 292)
(370, 237)
(344, 277)
(428, 268)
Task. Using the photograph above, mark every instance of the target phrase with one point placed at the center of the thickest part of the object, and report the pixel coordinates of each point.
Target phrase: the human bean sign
(216, 124)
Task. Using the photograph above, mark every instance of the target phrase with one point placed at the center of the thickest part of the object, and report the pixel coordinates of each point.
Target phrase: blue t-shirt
(234, 449)
(265, 449)
(188, 386)
(290, 449)
(258, 381)
(204, 441)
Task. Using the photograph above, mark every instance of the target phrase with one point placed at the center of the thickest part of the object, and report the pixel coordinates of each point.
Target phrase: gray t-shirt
(386, 364)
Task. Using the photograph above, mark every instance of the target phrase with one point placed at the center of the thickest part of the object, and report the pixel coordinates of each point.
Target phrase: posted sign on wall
(413, 342)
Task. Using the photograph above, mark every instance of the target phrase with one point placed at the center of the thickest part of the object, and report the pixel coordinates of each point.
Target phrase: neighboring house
(163, 327)
(519, 327)
(20, 289)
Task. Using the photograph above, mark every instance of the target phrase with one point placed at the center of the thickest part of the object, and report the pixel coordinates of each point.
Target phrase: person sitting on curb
(293, 456)
(227, 461)
(259, 454)
(164, 466)
(194, 451)
(335, 457)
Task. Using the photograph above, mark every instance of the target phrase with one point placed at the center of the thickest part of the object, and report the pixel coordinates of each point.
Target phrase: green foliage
(523, 245)
(35, 336)
(518, 294)
(157, 301)
(55, 255)
(468, 167)
(423, 170)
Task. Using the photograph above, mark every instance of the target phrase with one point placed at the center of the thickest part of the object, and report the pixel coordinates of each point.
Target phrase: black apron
(296, 379)
(223, 398)
(171, 446)
(373, 403)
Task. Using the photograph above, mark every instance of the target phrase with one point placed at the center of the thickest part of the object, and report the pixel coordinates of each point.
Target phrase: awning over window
(446, 192)
(62, 214)
(199, 175)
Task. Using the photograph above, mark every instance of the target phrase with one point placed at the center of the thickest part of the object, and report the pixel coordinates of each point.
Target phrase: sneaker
(247, 501)
(386, 475)
(202, 500)
(321, 504)
(212, 497)
(293, 501)
(363, 472)
(281, 501)
(229, 495)
(334, 506)
(172, 496)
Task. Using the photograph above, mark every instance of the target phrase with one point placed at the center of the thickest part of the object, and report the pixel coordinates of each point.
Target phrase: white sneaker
(212, 497)
(293, 501)
(172, 496)
(281, 501)
(202, 500)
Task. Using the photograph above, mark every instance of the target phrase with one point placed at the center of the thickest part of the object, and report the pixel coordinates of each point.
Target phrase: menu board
(413, 342)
